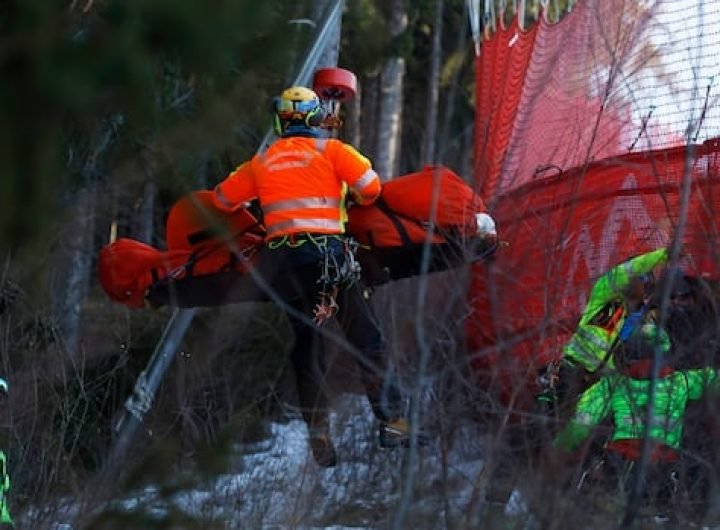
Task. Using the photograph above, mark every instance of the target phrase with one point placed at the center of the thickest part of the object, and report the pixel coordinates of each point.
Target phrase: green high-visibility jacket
(4, 487)
(605, 312)
(626, 399)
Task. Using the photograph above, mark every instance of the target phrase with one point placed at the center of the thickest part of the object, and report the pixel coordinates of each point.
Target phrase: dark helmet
(680, 285)
(677, 283)
(648, 281)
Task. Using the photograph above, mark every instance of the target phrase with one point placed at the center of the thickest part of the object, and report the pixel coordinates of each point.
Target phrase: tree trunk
(391, 92)
(71, 275)
(369, 116)
(71, 272)
(433, 94)
(202, 171)
(144, 222)
(353, 131)
(146, 213)
(450, 100)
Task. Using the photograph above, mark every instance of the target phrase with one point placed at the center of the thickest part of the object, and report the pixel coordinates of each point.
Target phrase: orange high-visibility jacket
(301, 184)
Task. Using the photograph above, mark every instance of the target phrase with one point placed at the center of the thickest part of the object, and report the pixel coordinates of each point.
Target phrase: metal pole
(147, 384)
(333, 16)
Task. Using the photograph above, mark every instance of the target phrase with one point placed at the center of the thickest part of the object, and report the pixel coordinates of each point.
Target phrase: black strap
(197, 256)
(394, 218)
(451, 235)
(199, 236)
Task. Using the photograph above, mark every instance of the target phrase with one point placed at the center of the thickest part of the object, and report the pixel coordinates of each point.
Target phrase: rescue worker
(6, 520)
(301, 182)
(617, 303)
(623, 396)
(691, 322)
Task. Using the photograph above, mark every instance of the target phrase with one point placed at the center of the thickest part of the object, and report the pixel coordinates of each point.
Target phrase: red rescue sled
(209, 252)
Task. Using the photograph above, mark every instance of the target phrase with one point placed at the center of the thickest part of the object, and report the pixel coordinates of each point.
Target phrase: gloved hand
(485, 225)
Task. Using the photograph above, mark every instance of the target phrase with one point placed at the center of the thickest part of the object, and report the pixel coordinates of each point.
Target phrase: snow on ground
(282, 487)
(276, 484)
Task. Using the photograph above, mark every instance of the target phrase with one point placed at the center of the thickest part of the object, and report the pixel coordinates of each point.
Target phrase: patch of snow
(281, 486)
(516, 504)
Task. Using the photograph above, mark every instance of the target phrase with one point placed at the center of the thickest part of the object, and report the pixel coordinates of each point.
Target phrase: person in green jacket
(616, 305)
(6, 520)
(623, 396)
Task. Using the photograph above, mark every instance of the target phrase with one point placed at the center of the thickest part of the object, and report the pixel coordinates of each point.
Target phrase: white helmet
(485, 225)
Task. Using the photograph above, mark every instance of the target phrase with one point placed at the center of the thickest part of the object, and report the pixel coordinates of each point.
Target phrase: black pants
(289, 276)
(362, 330)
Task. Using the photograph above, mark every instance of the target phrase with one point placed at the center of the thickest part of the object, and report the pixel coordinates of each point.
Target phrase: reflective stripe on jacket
(301, 184)
(591, 342)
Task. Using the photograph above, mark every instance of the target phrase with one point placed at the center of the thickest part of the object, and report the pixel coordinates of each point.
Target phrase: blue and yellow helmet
(298, 109)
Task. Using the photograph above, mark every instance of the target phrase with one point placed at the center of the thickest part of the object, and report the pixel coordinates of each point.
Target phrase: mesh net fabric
(582, 135)
(613, 76)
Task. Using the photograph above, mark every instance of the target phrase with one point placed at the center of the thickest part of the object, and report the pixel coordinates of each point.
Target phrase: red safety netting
(500, 79)
(549, 95)
(564, 231)
(580, 128)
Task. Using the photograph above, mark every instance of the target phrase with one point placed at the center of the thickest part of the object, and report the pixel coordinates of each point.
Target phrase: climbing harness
(336, 273)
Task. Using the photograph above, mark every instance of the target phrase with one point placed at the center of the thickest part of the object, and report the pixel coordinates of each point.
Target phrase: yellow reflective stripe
(5, 485)
(367, 178)
(582, 357)
(590, 337)
(305, 224)
(304, 202)
(222, 198)
(343, 205)
(577, 350)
